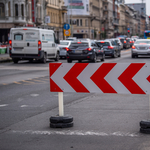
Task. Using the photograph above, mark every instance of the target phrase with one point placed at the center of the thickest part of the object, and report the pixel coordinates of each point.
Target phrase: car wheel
(103, 58)
(69, 60)
(80, 61)
(94, 59)
(57, 57)
(119, 54)
(114, 54)
(15, 60)
(30, 60)
(133, 56)
(43, 60)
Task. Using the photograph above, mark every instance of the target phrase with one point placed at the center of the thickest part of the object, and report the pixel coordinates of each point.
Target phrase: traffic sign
(67, 32)
(119, 78)
(66, 26)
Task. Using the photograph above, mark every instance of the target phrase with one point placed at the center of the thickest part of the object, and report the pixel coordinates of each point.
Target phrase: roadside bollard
(145, 124)
(61, 121)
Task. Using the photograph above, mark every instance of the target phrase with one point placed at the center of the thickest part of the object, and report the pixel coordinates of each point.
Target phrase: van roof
(32, 28)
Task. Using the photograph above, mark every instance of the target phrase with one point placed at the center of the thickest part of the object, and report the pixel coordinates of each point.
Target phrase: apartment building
(57, 13)
(31, 13)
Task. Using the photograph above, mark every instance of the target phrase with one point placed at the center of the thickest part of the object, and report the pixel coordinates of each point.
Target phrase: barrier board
(119, 78)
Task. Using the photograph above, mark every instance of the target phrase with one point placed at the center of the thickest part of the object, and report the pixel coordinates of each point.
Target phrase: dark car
(126, 43)
(130, 41)
(110, 47)
(85, 50)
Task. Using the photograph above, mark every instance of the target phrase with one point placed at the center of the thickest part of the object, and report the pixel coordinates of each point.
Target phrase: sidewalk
(5, 58)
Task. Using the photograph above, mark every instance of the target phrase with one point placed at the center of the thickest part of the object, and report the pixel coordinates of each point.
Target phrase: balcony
(2, 18)
(96, 4)
(64, 8)
(105, 9)
(105, 1)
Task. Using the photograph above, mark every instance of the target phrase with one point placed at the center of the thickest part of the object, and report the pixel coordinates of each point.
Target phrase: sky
(140, 1)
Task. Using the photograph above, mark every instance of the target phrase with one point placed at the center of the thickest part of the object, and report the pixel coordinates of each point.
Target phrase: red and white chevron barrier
(119, 78)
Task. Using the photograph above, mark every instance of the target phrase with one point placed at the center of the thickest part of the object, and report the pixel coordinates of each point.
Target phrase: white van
(27, 43)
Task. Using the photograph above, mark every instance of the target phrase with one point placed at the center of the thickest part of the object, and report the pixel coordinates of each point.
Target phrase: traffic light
(128, 31)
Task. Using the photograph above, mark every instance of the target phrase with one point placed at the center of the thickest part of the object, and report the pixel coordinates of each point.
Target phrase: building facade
(31, 13)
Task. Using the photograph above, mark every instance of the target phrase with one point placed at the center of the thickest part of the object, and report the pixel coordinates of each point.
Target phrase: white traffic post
(61, 103)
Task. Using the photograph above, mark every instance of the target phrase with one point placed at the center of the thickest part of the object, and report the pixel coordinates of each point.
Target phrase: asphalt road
(101, 121)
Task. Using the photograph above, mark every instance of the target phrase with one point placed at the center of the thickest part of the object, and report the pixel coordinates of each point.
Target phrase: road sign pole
(61, 103)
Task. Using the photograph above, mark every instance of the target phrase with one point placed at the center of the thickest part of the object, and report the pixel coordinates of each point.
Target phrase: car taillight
(110, 47)
(89, 49)
(133, 47)
(67, 49)
(39, 45)
(10, 44)
(125, 41)
(130, 41)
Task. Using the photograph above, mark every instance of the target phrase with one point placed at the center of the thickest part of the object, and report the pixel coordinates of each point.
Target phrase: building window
(80, 22)
(86, 22)
(16, 9)
(87, 7)
(22, 9)
(2, 10)
(77, 22)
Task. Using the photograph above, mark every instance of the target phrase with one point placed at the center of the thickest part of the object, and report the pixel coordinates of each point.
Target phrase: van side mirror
(57, 41)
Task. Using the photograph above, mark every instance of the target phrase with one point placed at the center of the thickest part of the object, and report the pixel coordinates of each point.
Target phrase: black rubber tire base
(61, 119)
(145, 130)
(61, 125)
(145, 124)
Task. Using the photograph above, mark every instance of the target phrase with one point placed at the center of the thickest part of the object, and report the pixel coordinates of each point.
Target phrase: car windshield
(103, 43)
(64, 43)
(122, 40)
(142, 42)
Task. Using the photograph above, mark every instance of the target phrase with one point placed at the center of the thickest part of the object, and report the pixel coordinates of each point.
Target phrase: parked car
(125, 42)
(64, 44)
(140, 47)
(85, 50)
(110, 47)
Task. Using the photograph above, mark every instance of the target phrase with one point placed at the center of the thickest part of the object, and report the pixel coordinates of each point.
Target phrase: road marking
(3, 105)
(22, 106)
(79, 133)
(5, 83)
(17, 82)
(27, 81)
(34, 95)
(39, 81)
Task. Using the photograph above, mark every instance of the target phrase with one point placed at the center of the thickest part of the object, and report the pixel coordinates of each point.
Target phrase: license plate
(17, 49)
(77, 51)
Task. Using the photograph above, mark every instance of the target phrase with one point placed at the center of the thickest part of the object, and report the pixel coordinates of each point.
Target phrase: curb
(5, 59)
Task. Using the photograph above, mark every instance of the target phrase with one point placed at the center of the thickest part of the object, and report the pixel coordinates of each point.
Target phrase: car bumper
(80, 57)
(140, 52)
(27, 56)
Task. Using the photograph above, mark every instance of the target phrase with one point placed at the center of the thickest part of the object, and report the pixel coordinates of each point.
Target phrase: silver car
(64, 44)
(140, 47)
